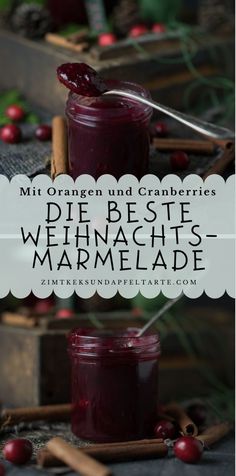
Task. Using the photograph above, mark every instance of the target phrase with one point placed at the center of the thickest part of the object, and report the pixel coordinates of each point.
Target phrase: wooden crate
(34, 367)
(31, 66)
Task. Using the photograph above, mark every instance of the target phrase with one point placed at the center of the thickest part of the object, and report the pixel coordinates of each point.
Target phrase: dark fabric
(28, 157)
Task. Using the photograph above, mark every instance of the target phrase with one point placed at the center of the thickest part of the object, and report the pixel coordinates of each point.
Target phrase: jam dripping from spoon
(81, 79)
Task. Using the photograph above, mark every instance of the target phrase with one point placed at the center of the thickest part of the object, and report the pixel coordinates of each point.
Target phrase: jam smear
(81, 79)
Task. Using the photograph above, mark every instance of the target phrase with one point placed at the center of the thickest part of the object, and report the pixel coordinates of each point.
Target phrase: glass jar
(114, 384)
(108, 135)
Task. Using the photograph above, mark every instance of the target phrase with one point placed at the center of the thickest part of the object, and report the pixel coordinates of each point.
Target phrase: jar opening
(108, 108)
(90, 341)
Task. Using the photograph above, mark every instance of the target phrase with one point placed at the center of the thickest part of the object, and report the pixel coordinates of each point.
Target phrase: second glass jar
(114, 384)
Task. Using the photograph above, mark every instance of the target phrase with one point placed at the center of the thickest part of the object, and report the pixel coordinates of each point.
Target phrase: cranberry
(81, 79)
(15, 112)
(11, 134)
(43, 132)
(188, 449)
(158, 28)
(43, 306)
(198, 413)
(137, 311)
(179, 160)
(64, 313)
(161, 129)
(2, 470)
(165, 429)
(138, 30)
(18, 451)
(106, 39)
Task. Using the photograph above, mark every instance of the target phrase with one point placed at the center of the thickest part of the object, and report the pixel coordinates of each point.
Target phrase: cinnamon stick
(78, 36)
(59, 146)
(59, 40)
(76, 459)
(53, 169)
(215, 433)
(19, 320)
(110, 452)
(124, 452)
(185, 423)
(187, 145)
(117, 444)
(223, 143)
(13, 416)
(221, 164)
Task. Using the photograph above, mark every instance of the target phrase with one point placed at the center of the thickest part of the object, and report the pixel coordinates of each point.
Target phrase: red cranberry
(137, 311)
(64, 313)
(18, 451)
(43, 132)
(2, 470)
(138, 30)
(43, 306)
(161, 129)
(81, 79)
(158, 28)
(106, 39)
(188, 449)
(11, 134)
(165, 429)
(179, 160)
(198, 413)
(15, 112)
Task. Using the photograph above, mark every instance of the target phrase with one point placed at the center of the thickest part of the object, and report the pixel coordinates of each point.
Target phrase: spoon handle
(203, 127)
(160, 313)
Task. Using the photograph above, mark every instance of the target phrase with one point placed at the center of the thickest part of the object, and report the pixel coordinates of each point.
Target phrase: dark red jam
(108, 135)
(114, 384)
(81, 79)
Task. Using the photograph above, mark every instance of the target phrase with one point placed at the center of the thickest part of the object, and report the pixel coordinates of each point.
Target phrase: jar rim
(89, 340)
(81, 107)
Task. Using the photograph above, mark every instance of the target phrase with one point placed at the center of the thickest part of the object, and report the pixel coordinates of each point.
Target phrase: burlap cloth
(30, 157)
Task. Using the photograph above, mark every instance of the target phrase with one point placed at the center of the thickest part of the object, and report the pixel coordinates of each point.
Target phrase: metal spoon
(160, 313)
(203, 127)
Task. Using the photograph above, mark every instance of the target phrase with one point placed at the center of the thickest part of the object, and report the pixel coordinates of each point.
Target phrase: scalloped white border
(49, 290)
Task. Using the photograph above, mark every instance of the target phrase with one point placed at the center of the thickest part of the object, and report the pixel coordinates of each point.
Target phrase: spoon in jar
(83, 80)
(203, 127)
(160, 313)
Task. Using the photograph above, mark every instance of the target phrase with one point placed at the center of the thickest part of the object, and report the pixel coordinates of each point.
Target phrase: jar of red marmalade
(108, 135)
(114, 384)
